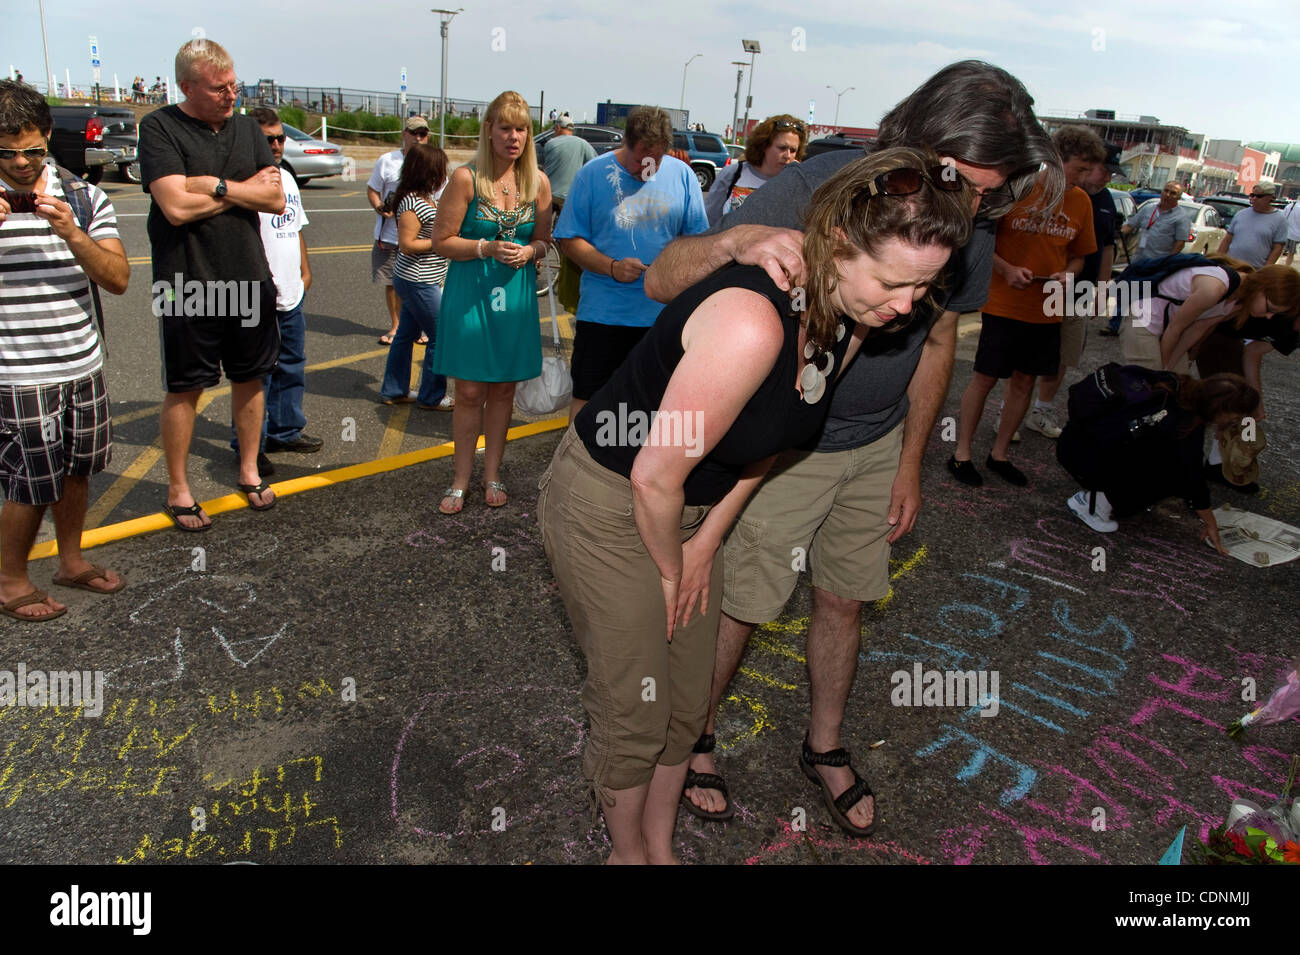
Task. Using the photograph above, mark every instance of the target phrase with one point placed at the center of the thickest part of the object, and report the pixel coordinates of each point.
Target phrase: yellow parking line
(394, 431)
(319, 250)
(232, 502)
(138, 468)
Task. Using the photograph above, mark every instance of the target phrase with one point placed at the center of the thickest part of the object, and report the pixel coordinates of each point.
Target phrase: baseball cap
(416, 123)
(564, 120)
(1264, 189)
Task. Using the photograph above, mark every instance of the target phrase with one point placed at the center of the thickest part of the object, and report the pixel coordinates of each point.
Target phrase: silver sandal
(453, 492)
(499, 488)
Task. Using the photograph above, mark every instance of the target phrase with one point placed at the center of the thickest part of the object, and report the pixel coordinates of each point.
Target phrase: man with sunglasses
(286, 253)
(210, 172)
(1256, 235)
(844, 503)
(382, 184)
(1163, 226)
(54, 415)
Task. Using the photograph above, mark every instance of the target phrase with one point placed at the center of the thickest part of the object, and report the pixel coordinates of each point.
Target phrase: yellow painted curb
(233, 502)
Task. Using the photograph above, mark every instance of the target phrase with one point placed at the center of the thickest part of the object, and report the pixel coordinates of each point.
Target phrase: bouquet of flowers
(1283, 704)
(1255, 836)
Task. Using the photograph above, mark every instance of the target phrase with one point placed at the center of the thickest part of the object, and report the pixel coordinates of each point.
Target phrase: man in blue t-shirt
(622, 209)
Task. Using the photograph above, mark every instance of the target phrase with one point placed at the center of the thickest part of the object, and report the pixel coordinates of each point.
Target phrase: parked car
(602, 138)
(86, 139)
(830, 143)
(1124, 206)
(1226, 206)
(707, 151)
(306, 158)
(737, 152)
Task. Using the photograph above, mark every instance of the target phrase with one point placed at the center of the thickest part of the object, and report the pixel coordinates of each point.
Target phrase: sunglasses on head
(908, 181)
(788, 124)
(35, 154)
(277, 139)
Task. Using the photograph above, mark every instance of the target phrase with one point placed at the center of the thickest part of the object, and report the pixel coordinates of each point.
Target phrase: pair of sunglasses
(35, 154)
(787, 124)
(908, 181)
(277, 139)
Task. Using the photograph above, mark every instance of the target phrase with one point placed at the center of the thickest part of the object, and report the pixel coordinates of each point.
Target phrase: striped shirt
(427, 268)
(47, 321)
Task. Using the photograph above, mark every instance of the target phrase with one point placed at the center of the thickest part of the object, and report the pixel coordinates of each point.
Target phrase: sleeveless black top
(615, 424)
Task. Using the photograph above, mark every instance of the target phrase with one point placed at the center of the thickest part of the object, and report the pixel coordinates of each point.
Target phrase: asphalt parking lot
(353, 677)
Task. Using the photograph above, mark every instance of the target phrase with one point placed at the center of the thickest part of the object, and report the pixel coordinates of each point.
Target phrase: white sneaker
(1042, 422)
(1079, 504)
(997, 426)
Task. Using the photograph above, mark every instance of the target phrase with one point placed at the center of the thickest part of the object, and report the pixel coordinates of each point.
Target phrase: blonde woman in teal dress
(494, 222)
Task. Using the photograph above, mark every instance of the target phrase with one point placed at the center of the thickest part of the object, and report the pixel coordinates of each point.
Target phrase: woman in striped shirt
(417, 279)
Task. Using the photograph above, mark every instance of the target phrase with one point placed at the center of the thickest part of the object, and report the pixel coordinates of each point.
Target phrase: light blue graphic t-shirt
(624, 217)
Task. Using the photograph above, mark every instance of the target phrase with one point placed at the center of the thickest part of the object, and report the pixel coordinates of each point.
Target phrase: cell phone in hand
(20, 201)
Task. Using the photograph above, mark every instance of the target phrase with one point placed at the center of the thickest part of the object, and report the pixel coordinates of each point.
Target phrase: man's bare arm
(691, 258)
(261, 192)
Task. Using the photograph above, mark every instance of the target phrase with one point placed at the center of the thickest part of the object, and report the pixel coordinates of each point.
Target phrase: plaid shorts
(48, 432)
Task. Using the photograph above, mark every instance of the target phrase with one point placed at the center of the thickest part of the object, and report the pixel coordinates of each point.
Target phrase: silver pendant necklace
(812, 379)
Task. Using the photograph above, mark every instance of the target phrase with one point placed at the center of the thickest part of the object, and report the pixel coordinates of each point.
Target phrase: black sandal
(841, 804)
(696, 780)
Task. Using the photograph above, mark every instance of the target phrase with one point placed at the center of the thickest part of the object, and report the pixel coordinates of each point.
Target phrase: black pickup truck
(86, 139)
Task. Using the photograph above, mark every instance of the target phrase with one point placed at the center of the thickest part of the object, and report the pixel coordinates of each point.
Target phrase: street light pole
(49, 77)
(682, 104)
(735, 116)
(752, 48)
(837, 101)
(444, 18)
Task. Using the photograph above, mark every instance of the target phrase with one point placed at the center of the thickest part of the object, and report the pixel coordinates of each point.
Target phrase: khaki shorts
(1140, 347)
(611, 590)
(1074, 329)
(383, 257)
(829, 510)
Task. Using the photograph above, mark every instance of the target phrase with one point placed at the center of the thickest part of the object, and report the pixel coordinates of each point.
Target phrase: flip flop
(194, 510)
(457, 494)
(82, 580)
(251, 489)
(499, 488)
(385, 339)
(35, 597)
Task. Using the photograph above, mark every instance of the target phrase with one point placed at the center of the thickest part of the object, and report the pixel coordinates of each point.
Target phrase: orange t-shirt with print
(1043, 244)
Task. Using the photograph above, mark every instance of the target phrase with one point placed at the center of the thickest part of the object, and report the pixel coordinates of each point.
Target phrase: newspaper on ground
(1255, 539)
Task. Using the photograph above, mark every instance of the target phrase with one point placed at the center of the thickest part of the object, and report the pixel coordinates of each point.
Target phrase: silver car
(306, 158)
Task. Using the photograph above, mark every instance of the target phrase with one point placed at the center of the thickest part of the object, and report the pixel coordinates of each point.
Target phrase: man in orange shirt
(1021, 338)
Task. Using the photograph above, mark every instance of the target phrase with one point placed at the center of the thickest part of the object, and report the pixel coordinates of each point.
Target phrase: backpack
(1147, 274)
(76, 192)
(1112, 407)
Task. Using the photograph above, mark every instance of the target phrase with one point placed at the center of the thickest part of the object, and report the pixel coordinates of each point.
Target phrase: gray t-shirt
(565, 155)
(1254, 235)
(1159, 231)
(871, 398)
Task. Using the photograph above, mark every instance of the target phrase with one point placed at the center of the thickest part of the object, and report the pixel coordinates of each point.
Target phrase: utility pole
(49, 76)
(837, 101)
(444, 18)
(735, 116)
(751, 47)
(682, 104)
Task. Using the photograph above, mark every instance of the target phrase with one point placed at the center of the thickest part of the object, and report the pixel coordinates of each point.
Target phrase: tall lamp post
(837, 101)
(444, 18)
(735, 115)
(49, 77)
(751, 47)
(682, 104)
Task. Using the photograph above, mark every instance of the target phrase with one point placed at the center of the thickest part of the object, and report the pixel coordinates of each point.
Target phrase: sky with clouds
(1227, 69)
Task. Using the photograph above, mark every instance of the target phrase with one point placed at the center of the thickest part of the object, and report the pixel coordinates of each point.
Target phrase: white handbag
(552, 390)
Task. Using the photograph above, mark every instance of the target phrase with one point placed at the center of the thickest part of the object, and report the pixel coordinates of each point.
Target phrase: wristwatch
(220, 190)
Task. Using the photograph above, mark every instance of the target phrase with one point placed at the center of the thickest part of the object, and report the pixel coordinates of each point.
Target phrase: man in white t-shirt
(382, 184)
(1292, 216)
(54, 416)
(1256, 235)
(286, 254)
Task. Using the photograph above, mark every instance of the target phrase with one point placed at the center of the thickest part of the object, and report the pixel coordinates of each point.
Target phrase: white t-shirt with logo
(283, 253)
(383, 179)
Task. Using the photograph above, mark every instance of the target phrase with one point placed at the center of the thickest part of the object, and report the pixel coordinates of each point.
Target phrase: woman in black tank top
(657, 466)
